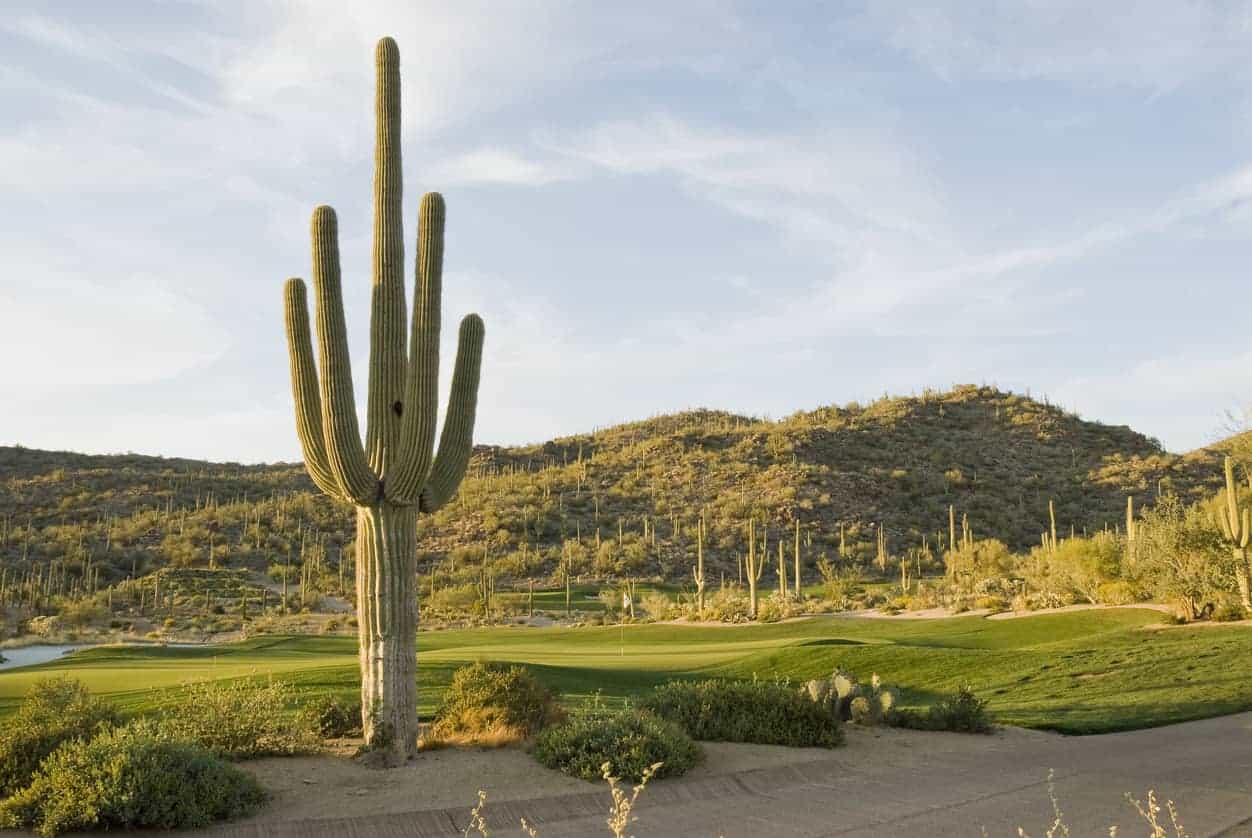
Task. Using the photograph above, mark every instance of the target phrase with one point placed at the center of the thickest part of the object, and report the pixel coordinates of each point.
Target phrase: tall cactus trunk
(1241, 576)
(386, 576)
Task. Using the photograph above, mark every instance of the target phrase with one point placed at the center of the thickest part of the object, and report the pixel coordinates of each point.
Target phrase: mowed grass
(1081, 672)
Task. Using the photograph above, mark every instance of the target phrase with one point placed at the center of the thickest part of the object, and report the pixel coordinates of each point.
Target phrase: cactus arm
(344, 454)
(456, 441)
(411, 467)
(1223, 523)
(387, 307)
(304, 388)
(1232, 501)
(1245, 529)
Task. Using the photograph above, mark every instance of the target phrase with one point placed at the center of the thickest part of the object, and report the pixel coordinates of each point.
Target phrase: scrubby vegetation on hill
(619, 502)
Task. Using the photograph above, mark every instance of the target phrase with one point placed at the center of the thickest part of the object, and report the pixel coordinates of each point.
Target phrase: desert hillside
(899, 462)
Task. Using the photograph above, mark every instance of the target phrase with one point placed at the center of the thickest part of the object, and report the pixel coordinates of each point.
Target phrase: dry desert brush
(394, 475)
(56, 710)
(493, 704)
(630, 743)
(760, 712)
(132, 776)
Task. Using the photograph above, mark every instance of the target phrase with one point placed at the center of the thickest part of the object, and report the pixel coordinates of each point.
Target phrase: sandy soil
(923, 614)
(316, 787)
(1064, 609)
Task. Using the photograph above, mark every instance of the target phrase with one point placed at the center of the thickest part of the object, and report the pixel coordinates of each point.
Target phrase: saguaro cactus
(1236, 526)
(393, 476)
(697, 573)
(753, 566)
(798, 594)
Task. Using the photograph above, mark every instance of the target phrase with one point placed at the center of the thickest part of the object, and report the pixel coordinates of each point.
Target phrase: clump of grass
(1149, 811)
(621, 810)
(490, 705)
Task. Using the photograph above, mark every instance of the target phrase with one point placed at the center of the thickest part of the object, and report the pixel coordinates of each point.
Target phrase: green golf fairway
(1079, 672)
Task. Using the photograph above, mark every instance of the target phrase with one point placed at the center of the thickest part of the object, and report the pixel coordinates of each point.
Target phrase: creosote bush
(55, 710)
(631, 741)
(745, 711)
(336, 717)
(963, 712)
(132, 776)
(242, 719)
(490, 703)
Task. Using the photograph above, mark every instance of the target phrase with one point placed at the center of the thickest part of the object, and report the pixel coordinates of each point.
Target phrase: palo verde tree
(393, 476)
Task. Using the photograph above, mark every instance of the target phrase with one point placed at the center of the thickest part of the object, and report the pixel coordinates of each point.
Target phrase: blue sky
(761, 207)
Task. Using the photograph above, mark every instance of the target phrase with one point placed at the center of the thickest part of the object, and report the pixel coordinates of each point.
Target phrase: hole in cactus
(398, 408)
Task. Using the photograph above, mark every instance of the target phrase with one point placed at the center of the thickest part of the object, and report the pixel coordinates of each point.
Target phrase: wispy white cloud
(174, 198)
(494, 166)
(1153, 44)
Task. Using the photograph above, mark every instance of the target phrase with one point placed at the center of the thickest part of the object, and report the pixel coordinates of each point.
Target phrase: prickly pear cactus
(846, 689)
(843, 682)
(888, 700)
(819, 690)
(862, 711)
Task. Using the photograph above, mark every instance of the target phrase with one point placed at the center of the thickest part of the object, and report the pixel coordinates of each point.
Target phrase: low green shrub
(133, 776)
(745, 711)
(630, 740)
(491, 702)
(1118, 592)
(1228, 611)
(961, 713)
(241, 719)
(54, 711)
(337, 717)
(994, 604)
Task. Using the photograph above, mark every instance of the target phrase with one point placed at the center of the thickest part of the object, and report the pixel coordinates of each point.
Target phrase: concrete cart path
(890, 783)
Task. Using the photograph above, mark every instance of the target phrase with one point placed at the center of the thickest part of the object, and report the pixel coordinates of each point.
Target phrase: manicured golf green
(1080, 672)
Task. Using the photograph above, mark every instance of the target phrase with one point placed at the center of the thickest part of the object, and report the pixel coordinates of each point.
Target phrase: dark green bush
(241, 719)
(630, 740)
(745, 711)
(493, 700)
(54, 711)
(337, 717)
(961, 713)
(133, 776)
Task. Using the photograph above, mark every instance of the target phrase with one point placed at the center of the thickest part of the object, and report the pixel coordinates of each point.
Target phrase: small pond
(38, 653)
(44, 652)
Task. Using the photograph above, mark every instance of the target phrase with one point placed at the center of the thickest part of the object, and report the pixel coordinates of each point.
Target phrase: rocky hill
(625, 499)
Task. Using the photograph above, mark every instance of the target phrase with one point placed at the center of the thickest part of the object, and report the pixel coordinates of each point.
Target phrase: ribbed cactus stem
(1130, 528)
(1052, 525)
(698, 573)
(753, 567)
(796, 593)
(395, 472)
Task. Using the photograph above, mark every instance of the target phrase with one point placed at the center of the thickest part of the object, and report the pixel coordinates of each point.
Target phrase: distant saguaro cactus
(754, 566)
(393, 475)
(1235, 523)
(697, 573)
